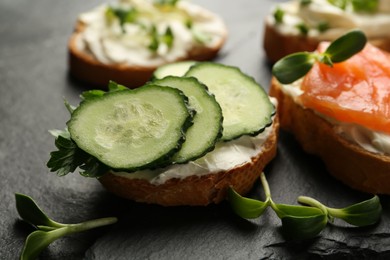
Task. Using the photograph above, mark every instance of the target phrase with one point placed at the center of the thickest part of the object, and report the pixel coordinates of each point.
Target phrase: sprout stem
(312, 202)
(264, 182)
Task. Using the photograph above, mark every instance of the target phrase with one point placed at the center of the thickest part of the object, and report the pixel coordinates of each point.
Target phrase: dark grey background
(34, 81)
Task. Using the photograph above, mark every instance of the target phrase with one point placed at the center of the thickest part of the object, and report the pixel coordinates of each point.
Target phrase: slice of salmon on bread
(341, 114)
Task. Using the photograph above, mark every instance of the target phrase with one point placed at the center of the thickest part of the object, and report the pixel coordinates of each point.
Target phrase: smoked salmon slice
(354, 91)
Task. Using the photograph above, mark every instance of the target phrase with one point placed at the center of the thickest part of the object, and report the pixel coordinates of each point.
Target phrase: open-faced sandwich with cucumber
(300, 25)
(336, 102)
(127, 40)
(177, 140)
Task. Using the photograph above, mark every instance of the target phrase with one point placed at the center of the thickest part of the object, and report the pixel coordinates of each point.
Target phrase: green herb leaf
(293, 67)
(30, 212)
(39, 240)
(113, 86)
(124, 15)
(303, 29)
(305, 2)
(49, 230)
(166, 2)
(246, 207)
(323, 26)
(346, 46)
(369, 6)
(361, 214)
(89, 94)
(296, 65)
(300, 222)
(69, 107)
(342, 4)
(154, 42)
(69, 156)
(168, 37)
(278, 15)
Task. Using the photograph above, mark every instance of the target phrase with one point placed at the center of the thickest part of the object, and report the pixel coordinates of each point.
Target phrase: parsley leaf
(69, 157)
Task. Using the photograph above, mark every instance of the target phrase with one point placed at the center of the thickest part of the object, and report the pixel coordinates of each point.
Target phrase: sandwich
(300, 25)
(177, 140)
(340, 110)
(127, 40)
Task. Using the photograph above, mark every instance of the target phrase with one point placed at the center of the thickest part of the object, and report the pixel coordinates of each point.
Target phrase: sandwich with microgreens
(178, 140)
(127, 40)
(336, 102)
(300, 25)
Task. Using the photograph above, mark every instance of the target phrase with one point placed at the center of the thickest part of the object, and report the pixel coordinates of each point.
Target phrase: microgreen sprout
(48, 230)
(296, 65)
(308, 220)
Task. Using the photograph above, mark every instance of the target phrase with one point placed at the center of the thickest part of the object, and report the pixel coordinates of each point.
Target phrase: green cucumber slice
(173, 69)
(207, 128)
(246, 107)
(132, 129)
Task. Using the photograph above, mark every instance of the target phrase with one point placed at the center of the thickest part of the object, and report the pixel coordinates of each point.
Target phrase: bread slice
(196, 190)
(277, 45)
(85, 67)
(346, 161)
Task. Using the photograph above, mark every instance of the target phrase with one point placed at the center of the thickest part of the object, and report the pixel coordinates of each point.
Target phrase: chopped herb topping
(305, 2)
(369, 6)
(323, 26)
(166, 2)
(124, 16)
(166, 38)
(278, 15)
(303, 29)
(364, 6)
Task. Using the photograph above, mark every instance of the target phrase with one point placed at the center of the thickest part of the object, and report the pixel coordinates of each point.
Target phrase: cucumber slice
(246, 107)
(132, 129)
(207, 128)
(173, 69)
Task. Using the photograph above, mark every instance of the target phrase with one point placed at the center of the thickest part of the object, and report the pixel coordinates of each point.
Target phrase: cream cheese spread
(325, 21)
(372, 141)
(129, 43)
(225, 156)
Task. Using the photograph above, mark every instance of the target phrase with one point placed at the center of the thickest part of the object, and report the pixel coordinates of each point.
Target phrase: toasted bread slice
(85, 67)
(196, 190)
(360, 169)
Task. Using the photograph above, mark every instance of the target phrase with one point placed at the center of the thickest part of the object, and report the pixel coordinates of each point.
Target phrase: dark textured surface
(34, 81)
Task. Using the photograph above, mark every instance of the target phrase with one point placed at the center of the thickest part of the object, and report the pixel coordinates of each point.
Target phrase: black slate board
(34, 80)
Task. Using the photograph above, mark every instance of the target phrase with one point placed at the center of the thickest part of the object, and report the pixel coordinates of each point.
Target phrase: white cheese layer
(337, 20)
(372, 141)
(225, 156)
(110, 43)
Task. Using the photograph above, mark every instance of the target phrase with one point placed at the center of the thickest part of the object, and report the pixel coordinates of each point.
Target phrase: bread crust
(85, 67)
(196, 190)
(277, 45)
(346, 161)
